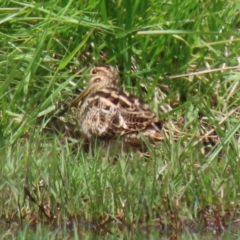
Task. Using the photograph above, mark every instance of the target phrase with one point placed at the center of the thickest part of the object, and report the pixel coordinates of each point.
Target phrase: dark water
(88, 230)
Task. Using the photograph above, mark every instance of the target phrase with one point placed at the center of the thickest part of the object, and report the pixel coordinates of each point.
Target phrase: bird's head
(100, 77)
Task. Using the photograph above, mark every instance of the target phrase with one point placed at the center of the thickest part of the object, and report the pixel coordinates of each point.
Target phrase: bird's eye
(97, 80)
(94, 71)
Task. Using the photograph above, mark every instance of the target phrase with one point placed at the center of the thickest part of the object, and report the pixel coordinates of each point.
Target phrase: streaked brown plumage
(108, 113)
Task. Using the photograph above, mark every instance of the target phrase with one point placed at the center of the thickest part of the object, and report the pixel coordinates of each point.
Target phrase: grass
(179, 56)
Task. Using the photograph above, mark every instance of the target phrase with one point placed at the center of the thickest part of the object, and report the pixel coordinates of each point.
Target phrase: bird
(108, 113)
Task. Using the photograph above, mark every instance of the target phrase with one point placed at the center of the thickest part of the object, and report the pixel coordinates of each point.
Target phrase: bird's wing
(101, 109)
(113, 113)
(120, 113)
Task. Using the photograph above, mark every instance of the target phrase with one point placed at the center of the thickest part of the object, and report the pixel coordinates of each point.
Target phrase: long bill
(80, 97)
(75, 102)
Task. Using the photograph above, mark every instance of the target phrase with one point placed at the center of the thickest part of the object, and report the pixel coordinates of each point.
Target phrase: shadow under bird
(108, 113)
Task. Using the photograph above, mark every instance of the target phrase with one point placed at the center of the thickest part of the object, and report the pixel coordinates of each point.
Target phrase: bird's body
(108, 113)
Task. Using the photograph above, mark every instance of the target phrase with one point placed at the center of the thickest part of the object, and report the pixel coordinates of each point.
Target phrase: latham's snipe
(108, 113)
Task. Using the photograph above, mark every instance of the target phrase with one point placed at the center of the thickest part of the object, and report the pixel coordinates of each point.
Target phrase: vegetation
(182, 57)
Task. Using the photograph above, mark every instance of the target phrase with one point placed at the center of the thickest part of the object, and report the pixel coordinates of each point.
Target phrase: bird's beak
(80, 97)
